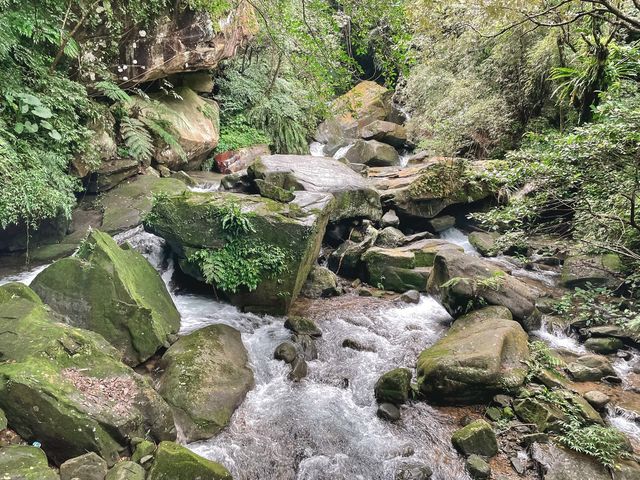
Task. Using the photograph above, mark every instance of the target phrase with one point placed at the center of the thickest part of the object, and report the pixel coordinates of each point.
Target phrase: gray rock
(20, 462)
(476, 438)
(413, 472)
(412, 296)
(307, 344)
(320, 283)
(86, 467)
(596, 399)
(371, 153)
(484, 243)
(299, 369)
(286, 351)
(126, 471)
(590, 368)
(394, 386)
(390, 237)
(519, 465)
(302, 326)
(388, 412)
(390, 219)
(355, 196)
(596, 270)
(478, 468)
(440, 224)
(604, 345)
(3, 420)
(355, 345)
(385, 132)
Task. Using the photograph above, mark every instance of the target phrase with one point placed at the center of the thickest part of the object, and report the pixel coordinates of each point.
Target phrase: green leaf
(55, 135)
(18, 127)
(42, 112)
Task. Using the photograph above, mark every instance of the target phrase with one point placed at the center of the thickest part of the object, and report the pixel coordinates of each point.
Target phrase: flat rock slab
(355, 196)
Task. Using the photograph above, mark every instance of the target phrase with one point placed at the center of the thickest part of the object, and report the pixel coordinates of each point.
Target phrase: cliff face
(188, 42)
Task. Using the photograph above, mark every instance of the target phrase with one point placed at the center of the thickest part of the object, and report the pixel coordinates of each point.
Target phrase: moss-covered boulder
(484, 353)
(18, 462)
(476, 438)
(205, 378)
(175, 462)
(112, 291)
(320, 283)
(394, 386)
(66, 388)
(462, 280)
(261, 268)
(604, 345)
(126, 471)
(579, 271)
(355, 196)
(484, 243)
(425, 190)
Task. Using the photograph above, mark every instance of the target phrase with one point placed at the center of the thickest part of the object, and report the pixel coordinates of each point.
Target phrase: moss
(21, 462)
(114, 292)
(476, 438)
(394, 386)
(143, 449)
(13, 290)
(175, 462)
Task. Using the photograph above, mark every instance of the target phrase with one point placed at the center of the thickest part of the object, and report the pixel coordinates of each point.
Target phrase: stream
(326, 427)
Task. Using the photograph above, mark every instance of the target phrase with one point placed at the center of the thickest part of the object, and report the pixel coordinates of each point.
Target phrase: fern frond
(112, 91)
(137, 139)
(161, 130)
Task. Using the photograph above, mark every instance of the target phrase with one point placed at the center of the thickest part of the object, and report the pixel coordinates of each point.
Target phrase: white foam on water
(458, 237)
(316, 149)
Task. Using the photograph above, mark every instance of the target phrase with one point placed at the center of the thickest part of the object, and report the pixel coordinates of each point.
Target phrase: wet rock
(531, 438)
(112, 291)
(503, 401)
(612, 379)
(590, 368)
(87, 467)
(20, 462)
(299, 369)
(385, 132)
(596, 399)
(175, 462)
(274, 192)
(596, 270)
(355, 345)
(476, 438)
(78, 397)
(546, 416)
(394, 386)
(390, 237)
(370, 153)
(493, 413)
(425, 190)
(110, 174)
(558, 463)
(388, 412)
(296, 228)
(603, 345)
(412, 296)
(307, 344)
(484, 243)
(286, 351)
(413, 472)
(483, 353)
(355, 197)
(479, 279)
(440, 224)
(390, 219)
(478, 468)
(126, 471)
(205, 378)
(346, 260)
(321, 283)
(519, 465)
(302, 326)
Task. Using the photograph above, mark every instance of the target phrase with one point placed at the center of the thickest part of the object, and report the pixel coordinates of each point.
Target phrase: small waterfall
(558, 338)
(24, 277)
(458, 237)
(625, 421)
(316, 149)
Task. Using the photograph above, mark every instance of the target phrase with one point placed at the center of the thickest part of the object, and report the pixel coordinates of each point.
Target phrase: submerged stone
(205, 378)
(115, 292)
(394, 386)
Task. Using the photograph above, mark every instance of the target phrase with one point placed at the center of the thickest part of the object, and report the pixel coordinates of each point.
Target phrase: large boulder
(385, 132)
(461, 280)
(205, 377)
(484, 353)
(292, 234)
(597, 270)
(186, 42)
(66, 388)
(425, 190)
(371, 153)
(115, 292)
(363, 104)
(355, 197)
(321, 282)
(20, 462)
(175, 462)
(193, 120)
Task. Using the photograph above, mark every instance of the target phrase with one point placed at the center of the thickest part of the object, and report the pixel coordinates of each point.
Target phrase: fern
(162, 130)
(112, 91)
(137, 139)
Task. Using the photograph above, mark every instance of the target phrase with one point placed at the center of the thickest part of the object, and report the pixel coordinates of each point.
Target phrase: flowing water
(324, 427)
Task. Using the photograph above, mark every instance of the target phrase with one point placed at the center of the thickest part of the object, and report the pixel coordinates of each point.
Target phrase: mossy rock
(126, 471)
(545, 416)
(484, 243)
(143, 449)
(580, 271)
(476, 438)
(205, 378)
(16, 290)
(112, 291)
(191, 223)
(302, 326)
(604, 345)
(484, 353)
(175, 462)
(19, 462)
(394, 386)
(66, 388)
